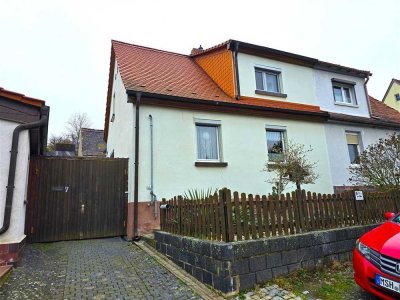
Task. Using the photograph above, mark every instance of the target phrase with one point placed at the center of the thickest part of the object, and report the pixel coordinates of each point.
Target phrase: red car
(376, 259)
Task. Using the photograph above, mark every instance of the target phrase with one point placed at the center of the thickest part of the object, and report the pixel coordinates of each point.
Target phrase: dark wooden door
(76, 198)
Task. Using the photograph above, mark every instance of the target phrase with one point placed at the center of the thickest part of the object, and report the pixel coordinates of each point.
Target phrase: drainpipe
(136, 236)
(152, 195)
(235, 55)
(13, 164)
(366, 94)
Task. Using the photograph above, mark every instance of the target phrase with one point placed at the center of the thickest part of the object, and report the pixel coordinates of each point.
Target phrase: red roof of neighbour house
(381, 111)
(20, 98)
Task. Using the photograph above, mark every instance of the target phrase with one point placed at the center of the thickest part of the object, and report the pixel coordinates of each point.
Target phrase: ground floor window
(353, 145)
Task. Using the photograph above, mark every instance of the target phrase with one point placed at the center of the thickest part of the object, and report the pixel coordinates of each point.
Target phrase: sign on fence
(359, 195)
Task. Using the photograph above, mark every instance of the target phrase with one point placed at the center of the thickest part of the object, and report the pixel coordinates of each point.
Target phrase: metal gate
(76, 198)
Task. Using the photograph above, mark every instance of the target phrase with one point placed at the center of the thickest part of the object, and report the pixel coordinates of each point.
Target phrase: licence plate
(387, 283)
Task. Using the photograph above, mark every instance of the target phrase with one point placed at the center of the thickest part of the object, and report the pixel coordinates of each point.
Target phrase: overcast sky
(59, 51)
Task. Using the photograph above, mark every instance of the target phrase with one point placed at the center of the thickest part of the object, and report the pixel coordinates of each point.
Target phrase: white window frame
(209, 123)
(359, 145)
(283, 131)
(342, 86)
(265, 71)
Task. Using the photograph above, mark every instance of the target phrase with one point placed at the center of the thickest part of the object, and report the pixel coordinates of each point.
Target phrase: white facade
(242, 141)
(338, 151)
(15, 233)
(325, 98)
(296, 81)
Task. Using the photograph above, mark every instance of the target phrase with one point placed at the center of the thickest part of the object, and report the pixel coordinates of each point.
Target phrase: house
(23, 132)
(91, 143)
(214, 118)
(392, 95)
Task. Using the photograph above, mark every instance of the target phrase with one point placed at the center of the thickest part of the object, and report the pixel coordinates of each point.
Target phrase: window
(275, 144)
(267, 80)
(344, 93)
(353, 145)
(397, 96)
(208, 142)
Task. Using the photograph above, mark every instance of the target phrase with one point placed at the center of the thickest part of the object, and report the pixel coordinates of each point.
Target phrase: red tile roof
(167, 73)
(20, 98)
(161, 72)
(381, 111)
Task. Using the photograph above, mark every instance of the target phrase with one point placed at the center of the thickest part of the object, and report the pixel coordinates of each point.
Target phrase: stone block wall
(231, 267)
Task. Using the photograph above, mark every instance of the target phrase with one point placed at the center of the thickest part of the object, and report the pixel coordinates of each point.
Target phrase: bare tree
(75, 123)
(379, 165)
(57, 139)
(293, 167)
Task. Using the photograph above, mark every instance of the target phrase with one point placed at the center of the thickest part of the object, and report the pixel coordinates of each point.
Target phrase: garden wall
(235, 266)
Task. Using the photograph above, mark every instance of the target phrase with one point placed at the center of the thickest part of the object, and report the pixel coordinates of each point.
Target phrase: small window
(267, 80)
(353, 145)
(343, 93)
(208, 142)
(275, 145)
(397, 96)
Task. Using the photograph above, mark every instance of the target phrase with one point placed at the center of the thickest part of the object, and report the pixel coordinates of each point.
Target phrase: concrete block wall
(232, 267)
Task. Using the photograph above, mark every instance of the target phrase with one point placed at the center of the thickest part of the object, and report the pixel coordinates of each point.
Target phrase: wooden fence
(228, 216)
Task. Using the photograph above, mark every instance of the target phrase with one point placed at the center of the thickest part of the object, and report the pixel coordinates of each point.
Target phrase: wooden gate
(76, 198)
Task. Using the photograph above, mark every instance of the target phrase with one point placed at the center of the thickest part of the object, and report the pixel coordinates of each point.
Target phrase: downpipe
(153, 197)
(13, 163)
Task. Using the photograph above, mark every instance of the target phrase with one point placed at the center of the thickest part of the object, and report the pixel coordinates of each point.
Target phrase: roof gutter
(226, 104)
(366, 95)
(13, 163)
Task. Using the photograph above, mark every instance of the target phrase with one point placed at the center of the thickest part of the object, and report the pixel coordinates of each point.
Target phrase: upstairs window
(343, 92)
(267, 80)
(397, 97)
(208, 142)
(353, 144)
(275, 145)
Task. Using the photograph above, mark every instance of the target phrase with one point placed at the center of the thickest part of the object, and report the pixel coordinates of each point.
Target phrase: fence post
(222, 209)
(356, 208)
(162, 215)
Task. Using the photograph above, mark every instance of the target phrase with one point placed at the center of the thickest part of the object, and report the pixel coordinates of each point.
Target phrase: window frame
(344, 85)
(264, 71)
(283, 132)
(217, 126)
(359, 145)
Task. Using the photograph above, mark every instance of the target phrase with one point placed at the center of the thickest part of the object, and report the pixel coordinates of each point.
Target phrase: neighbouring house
(91, 143)
(62, 150)
(392, 95)
(23, 132)
(213, 118)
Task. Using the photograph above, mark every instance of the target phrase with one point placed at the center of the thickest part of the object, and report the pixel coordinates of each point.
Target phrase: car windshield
(396, 219)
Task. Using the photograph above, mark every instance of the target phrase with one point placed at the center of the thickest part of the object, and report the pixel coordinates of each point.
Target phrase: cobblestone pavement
(91, 269)
(268, 292)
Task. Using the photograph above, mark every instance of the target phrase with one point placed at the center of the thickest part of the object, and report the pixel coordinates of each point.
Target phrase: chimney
(196, 51)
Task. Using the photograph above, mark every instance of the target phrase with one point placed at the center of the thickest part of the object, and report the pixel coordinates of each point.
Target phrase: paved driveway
(91, 269)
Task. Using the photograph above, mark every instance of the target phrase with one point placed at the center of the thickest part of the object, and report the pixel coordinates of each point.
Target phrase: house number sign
(359, 195)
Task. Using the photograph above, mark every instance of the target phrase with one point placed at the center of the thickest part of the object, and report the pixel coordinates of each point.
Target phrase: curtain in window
(275, 145)
(207, 142)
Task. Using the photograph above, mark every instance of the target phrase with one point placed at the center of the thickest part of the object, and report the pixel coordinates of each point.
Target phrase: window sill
(210, 164)
(280, 95)
(346, 104)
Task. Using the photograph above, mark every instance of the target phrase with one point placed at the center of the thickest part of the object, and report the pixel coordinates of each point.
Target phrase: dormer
(341, 89)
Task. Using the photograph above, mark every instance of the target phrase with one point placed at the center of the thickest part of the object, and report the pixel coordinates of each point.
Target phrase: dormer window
(268, 82)
(343, 92)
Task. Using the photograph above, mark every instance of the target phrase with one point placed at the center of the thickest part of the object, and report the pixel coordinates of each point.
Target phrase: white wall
(121, 131)
(297, 81)
(244, 148)
(15, 233)
(324, 94)
(338, 152)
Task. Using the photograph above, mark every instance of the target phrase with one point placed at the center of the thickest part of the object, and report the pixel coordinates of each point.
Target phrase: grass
(329, 283)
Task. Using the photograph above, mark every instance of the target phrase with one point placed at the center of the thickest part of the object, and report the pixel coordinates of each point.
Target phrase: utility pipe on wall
(136, 236)
(152, 195)
(13, 164)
